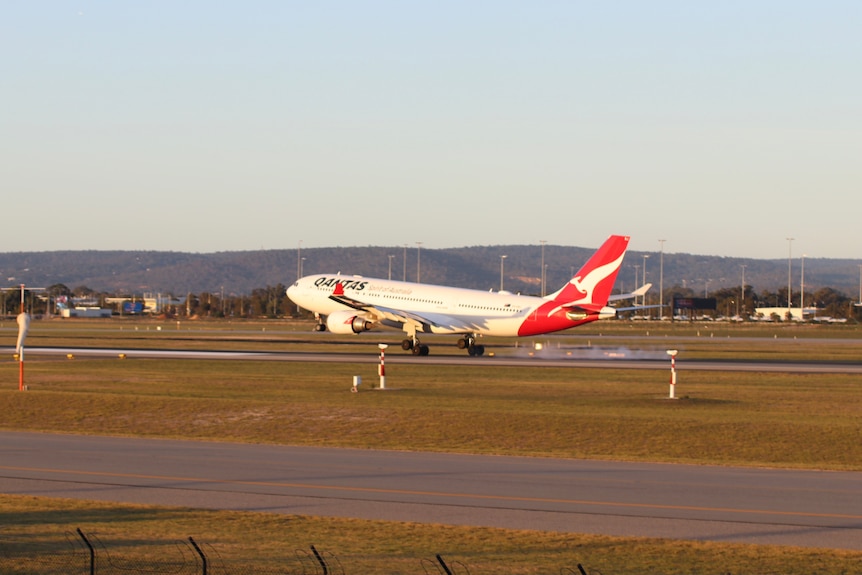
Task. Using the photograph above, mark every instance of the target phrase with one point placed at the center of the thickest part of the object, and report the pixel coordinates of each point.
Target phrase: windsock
(23, 327)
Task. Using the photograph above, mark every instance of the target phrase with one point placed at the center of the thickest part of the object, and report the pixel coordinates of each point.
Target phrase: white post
(357, 379)
(672, 353)
(382, 368)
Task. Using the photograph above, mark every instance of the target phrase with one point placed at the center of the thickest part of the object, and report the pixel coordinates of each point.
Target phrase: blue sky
(723, 128)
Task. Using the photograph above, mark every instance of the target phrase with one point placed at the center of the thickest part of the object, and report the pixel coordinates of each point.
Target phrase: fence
(82, 554)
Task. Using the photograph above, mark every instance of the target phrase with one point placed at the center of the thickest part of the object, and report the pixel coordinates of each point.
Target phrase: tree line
(271, 302)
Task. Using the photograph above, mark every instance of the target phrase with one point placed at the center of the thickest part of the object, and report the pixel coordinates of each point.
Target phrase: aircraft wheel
(480, 350)
(462, 343)
(407, 344)
(424, 350)
(320, 327)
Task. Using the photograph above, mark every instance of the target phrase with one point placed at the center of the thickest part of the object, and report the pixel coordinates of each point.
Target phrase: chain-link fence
(85, 554)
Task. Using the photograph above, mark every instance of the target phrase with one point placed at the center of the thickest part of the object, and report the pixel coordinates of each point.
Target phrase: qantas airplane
(356, 304)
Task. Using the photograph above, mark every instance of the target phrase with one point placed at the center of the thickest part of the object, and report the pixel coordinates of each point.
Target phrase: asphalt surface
(764, 506)
(593, 359)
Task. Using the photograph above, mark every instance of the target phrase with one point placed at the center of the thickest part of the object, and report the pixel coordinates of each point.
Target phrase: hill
(479, 267)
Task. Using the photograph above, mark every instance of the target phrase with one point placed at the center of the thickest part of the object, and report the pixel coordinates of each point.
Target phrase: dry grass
(790, 420)
(763, 419)
(144, 535)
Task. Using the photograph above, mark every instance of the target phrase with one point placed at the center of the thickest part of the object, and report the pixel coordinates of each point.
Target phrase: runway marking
(427, 493)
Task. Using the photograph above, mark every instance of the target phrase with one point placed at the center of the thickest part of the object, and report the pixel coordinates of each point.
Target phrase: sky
(722, 128)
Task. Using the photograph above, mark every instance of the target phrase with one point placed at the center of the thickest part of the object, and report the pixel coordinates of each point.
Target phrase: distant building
(796, 313)
(149, 304)
(85, 312)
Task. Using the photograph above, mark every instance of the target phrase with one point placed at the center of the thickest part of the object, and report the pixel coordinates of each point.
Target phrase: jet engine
(582, 313)
(346, 321)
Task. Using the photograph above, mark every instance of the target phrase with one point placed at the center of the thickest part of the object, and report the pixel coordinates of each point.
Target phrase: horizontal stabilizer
(637, 293)
(638, 307)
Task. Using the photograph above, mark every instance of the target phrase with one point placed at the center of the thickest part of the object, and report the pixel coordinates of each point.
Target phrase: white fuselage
(459, 310)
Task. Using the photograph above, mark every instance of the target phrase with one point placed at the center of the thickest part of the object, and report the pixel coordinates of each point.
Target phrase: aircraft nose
(293, 292)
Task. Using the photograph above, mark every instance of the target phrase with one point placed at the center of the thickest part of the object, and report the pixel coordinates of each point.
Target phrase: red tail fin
(595, 280)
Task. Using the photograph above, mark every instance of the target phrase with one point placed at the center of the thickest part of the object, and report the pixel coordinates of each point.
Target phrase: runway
(587, 360)
(764, 506)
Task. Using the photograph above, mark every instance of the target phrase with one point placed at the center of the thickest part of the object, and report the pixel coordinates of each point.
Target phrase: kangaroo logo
(587, 285)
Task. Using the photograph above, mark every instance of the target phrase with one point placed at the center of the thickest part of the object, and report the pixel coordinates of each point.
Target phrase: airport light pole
(789, 269)
(502, 259)
(298, 260)
(742, 290)
(390, 266)
(802, 290)
(661, 279)
(543, 242)
(418, 261)
(544, 275)
(643, 297)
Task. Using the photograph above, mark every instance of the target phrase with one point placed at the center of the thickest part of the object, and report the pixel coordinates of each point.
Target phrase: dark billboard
(694, 303)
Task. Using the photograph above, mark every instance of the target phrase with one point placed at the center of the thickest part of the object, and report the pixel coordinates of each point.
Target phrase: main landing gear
(469, 343)
(418, 348)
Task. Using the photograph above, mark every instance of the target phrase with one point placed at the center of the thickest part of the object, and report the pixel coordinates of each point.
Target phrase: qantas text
(357, 285)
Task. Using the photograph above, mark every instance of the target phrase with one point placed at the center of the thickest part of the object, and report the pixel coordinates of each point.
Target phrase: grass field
(145, 536)
(761, 419)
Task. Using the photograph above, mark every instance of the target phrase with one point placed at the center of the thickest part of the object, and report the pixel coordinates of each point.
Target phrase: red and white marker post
(672, 353)
(23, 327)
(381, 370)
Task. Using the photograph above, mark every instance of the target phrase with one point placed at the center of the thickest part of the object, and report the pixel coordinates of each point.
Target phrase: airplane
(354, 304)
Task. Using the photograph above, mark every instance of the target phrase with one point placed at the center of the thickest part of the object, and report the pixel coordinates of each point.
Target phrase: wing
(424, 322)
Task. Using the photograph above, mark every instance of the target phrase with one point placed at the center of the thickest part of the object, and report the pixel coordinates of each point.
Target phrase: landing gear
(418, 348)
(321, 323)
(469, 343)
